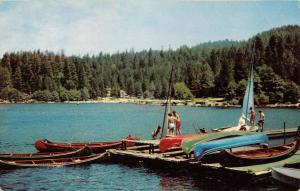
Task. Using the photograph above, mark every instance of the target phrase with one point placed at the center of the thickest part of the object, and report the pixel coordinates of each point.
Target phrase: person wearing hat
(261, 121)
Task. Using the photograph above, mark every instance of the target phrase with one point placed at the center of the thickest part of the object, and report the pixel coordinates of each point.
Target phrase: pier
(147, 154)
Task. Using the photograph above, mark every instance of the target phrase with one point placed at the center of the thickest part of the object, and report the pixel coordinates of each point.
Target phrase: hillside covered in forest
(212, 69)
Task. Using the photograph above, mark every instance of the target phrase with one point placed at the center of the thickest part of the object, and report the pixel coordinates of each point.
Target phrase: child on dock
(156, 132)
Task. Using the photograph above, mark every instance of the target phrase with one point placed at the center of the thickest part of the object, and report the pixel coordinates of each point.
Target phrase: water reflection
(208, 181)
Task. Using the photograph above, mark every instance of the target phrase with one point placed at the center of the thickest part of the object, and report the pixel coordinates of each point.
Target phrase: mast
(167, 102)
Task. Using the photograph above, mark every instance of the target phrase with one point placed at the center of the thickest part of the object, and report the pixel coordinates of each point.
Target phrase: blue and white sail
(248, 101)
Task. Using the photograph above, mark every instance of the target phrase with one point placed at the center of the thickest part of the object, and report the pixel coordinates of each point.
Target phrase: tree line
(214, 69)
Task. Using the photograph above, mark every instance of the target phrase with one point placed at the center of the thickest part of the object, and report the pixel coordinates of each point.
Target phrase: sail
(248, 100)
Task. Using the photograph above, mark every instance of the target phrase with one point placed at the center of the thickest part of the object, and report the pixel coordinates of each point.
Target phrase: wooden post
(283, 132)
(123, 146)
(151, 148)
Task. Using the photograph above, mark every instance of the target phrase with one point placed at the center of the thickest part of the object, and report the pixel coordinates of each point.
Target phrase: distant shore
(214, 102)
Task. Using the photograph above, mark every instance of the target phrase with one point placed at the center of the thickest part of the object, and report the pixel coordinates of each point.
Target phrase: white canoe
(290, 176)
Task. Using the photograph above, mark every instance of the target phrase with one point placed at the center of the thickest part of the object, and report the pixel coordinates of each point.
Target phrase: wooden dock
(148, 154)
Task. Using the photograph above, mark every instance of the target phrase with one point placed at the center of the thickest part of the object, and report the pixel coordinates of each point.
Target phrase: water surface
(22, 124)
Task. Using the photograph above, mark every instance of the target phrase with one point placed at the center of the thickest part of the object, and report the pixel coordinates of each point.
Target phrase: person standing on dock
(171, 124)
(261, 121)
(178, 123)
(252, 117)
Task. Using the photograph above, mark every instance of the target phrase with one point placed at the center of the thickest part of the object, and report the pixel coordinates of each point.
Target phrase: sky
(80, 27)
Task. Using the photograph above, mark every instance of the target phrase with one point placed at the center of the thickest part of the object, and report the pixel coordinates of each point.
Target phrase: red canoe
(96, 147)
(169, 143)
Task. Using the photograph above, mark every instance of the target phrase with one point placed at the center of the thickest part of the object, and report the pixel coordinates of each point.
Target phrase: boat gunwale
(294, 148)
(18, 163)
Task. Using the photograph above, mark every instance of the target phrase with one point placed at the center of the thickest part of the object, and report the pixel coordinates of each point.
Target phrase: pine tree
(18, 81)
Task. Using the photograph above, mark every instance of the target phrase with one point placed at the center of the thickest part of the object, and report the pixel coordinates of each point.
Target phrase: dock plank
(154, 156)
(173, 153)
(141, 147)
(146, 142)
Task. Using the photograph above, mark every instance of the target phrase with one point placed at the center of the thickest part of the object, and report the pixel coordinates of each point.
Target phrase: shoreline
(219, 103)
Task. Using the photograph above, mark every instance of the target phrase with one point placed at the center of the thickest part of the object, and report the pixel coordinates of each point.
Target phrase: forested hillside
(215, 69)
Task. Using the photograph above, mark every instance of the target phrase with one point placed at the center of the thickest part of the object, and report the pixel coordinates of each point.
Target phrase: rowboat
(52, 162)
(202, 149)
(259, 156)
(290, 176)
(188, 144)
(96, 147)
(44, 155)
(169, 143)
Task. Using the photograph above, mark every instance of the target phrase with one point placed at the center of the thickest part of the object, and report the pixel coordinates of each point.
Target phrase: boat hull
(96, 147)
(202, 149)
(259, 156)
(169, 143)
(52, 162)
(188, 144)
(44, 155)
(290, 176)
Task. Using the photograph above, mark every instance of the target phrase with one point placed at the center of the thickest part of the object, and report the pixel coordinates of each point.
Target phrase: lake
(22, 124)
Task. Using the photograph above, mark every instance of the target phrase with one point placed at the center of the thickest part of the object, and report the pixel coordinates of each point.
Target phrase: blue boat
(202, 149)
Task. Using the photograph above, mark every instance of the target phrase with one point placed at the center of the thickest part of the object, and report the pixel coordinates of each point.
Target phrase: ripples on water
(118, 177)
(21, 125)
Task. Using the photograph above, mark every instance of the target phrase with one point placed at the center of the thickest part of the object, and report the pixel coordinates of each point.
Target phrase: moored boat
(188, 144)
(260, 155)
(289, 176)
(96, 147)
(44, 155)
(169, 143)
(202, 149)
(248, 104)
(58, 162)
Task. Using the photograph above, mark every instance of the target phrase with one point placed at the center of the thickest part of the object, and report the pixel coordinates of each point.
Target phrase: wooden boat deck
(147, 151)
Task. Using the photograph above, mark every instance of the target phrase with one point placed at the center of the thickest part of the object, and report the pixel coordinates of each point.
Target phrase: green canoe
(189, 143)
